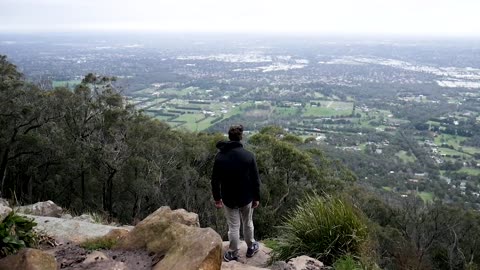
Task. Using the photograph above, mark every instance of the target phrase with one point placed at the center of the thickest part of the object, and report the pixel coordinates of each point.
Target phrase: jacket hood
(225, 146)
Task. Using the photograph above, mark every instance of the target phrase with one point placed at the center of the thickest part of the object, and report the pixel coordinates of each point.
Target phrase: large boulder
(29, 259)
(69, 229)
(176, 238)
(261, 259)
(47, 209)
(85, 217)
(305, 263)
(4, 202)
(99, 261)
(4, 212)
(233, 265)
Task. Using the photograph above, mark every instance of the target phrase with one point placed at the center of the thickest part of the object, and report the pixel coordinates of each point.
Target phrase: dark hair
(235, 133)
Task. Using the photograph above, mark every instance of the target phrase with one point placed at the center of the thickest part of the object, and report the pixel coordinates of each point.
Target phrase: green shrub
(270, 243)
(99, 243)
(16, 232)
(347, 263)
(324, 228)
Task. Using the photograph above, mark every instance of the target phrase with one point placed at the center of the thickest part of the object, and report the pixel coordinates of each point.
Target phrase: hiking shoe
(230, 256)
(254, 249)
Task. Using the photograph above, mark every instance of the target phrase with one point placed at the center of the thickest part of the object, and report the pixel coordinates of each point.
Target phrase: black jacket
(235, 175)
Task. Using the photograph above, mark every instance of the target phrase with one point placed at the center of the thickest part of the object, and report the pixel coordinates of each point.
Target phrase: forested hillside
(88, 151)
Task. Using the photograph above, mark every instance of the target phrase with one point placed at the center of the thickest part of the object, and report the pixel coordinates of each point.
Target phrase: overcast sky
(433, 17)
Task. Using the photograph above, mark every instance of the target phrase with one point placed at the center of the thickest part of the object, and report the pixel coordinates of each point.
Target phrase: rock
(261, 259)
(117, 233)
(94, 257)
(85, 217)
(281, 265)
(66, 216)
(4, 202)
(233, 265)
(70, 230)
(106, 265)
(29, 259)
(47, 209)
(175, 237)
(4, 211)
(305, 263)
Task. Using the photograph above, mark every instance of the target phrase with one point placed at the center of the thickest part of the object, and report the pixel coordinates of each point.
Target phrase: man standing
(235, 184)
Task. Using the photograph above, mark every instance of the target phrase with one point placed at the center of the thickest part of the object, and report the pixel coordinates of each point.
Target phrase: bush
(324, 228)
(99, 243)
(16, 232)
(347, 263)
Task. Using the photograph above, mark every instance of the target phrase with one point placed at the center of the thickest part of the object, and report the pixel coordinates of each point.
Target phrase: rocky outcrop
(29, 259)
(4, 209)
(4, 212)
(47, 209)
(99, 261)
(70, 230)
(305, 263)
(233, 265)
(176, 238)
(85, 217)
(4, 202)
(259, 261)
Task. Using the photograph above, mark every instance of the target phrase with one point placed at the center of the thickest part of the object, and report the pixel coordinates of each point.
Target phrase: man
(236, 185)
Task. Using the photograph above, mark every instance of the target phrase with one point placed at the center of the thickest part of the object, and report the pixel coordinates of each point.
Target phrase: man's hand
(218, 204)
(255, 204)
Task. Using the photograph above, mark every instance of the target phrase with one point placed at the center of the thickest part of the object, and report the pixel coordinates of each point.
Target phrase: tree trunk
(83, 188)
(104, 196)
(109, 191)
(3, 168)
(30, 189)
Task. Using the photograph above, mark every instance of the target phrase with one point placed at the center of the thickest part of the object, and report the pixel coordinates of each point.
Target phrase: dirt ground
(71, 256)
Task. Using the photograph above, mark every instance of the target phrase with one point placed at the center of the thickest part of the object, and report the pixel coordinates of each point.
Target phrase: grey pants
(234, 216)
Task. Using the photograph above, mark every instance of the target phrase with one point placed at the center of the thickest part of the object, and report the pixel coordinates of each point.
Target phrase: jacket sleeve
(255, 180)
(216, 181)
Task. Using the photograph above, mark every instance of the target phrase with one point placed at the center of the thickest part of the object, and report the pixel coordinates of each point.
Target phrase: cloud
(340, 16)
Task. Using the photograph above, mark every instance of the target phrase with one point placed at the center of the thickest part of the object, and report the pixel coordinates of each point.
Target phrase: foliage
(325, 228)
(346, 262)
(16, 232)
(287, 174)
(270, 243)
(99, 243)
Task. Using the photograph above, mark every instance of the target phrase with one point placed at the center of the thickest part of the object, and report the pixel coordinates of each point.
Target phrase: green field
(194, 120)
(387, 188)
(470, 171)
(282, 111)
(191, 120)
(427, 197)
(71, 83)
(450, 140)
(162, 117)
(405, 157)
(168, 91)
(452, 152)
(329, 109)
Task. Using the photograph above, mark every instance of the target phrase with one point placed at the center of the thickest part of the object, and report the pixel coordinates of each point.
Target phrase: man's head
(235, 133)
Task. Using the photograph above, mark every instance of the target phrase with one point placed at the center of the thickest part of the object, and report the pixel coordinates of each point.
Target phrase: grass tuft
(324, 228)
(99, 243)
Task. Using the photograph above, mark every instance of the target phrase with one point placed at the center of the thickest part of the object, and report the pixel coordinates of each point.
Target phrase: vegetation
(99, 243)
(325, 228)
(346, 262)
(16, 232)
